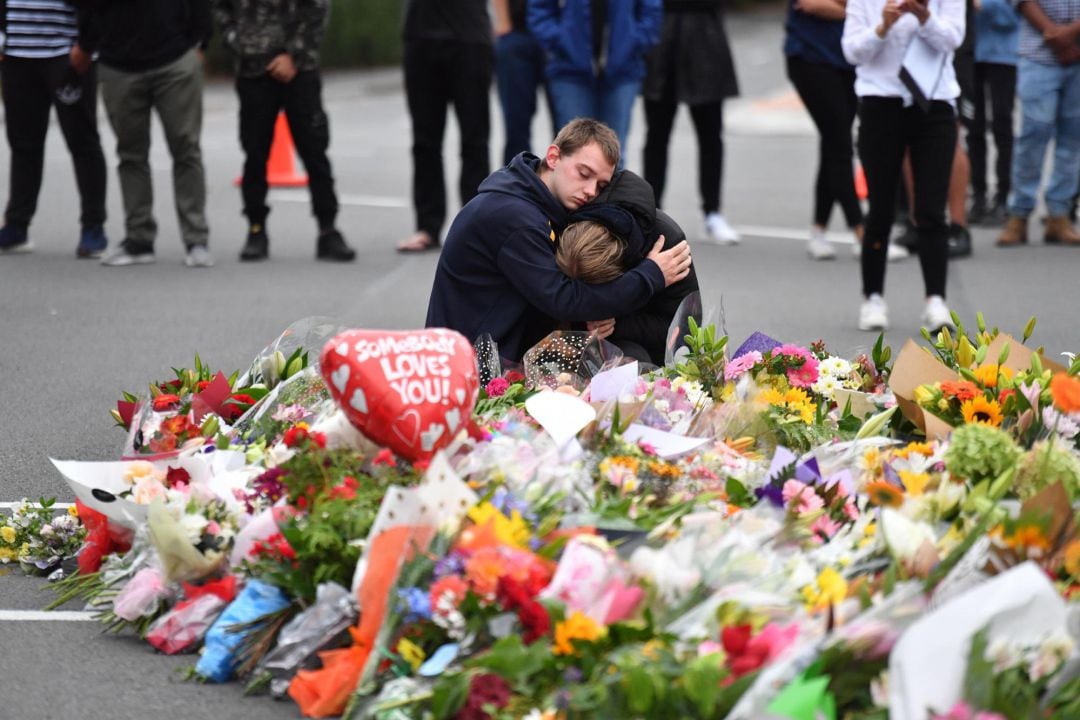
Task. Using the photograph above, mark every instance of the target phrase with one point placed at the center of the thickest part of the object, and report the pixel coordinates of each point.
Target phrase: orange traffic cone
(861, 191)
(281, 165)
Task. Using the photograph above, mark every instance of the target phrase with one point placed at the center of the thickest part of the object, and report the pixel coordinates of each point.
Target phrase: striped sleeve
(39, 28)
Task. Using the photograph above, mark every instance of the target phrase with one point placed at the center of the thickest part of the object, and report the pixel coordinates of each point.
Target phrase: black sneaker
(331, 246)
(997, 215)
(959, 241)
(257, 245)
(978, 211)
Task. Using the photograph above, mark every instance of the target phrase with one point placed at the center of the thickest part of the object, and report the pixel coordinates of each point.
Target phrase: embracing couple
(563, 241)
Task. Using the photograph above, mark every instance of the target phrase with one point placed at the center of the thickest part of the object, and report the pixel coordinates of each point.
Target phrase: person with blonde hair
(607, 238)
(497, 273)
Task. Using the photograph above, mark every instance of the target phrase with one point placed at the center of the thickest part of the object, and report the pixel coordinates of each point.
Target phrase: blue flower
(415, 603)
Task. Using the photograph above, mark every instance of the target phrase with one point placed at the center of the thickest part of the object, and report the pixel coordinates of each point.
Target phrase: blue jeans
(610, 104)
(519, 73)
(1050, 106)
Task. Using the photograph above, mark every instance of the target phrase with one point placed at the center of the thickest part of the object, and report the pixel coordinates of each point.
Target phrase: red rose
(735, 638)
(497, 387)
(295, 435)
(383, 457)
(176, 477)
(166, 401)
(513, 376)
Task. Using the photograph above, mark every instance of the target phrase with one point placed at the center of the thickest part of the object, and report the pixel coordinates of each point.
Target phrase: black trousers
(886, 130)
(828, 93)
(439, 73)
(1000, 80)
(708, 125)
(30, 88)
(261, 99)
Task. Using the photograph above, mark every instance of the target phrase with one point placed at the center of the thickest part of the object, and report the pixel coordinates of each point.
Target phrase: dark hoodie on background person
(627, 207)
(140, 35)
(497, 272)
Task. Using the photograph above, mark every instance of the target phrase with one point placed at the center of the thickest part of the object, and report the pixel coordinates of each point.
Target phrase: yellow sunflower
(981, 410)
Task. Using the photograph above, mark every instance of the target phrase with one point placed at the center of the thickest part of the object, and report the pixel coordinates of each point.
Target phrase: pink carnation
(497, 386)
(741, 364)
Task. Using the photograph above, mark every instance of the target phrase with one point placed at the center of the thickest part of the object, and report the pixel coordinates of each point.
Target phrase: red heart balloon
(410, 391)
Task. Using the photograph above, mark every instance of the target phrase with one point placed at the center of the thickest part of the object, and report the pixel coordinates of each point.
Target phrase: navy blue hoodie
(497, 271)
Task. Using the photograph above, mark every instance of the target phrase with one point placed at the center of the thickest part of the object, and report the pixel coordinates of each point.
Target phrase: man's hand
(282, 68)
(674, 263)
(1069, 56)
(1061, 39)
(80, 59)
(601, 328)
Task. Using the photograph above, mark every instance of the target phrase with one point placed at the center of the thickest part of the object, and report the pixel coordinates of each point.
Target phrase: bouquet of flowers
(38, 538)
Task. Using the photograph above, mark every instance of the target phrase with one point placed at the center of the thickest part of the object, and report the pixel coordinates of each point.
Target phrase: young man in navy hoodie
(497, 273)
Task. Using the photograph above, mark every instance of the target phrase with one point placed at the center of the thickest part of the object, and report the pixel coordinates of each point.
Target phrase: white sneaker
(126, 254)
(895, 252)
(936, 315)
(819, 246)
(718, 231)
(874, 314)
(199, 257)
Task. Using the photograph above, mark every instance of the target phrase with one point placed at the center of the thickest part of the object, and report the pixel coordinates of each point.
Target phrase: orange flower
(577, 626)
(484, 569)
(961, 389)
(1065, 390)
(884, 494)
(987, 375)
(981, 410)
(918, 448)
(1072, 558)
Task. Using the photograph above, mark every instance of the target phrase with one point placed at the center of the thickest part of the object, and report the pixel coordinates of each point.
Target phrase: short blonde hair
(581, 131)
(589, 251)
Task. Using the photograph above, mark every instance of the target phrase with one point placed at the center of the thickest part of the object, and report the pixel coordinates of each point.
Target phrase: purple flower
(415, 603)
(452, 564)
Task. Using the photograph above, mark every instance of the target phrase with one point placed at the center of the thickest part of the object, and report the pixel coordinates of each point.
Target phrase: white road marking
(57, 506)
(45, 616)
(303, 196)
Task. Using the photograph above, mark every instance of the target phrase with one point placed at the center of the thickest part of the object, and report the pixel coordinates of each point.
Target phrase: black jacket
(497, 272)
(641, 226)
(692, 64)
(139, 35)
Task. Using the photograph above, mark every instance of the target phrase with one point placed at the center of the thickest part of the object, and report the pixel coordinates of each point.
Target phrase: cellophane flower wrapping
(257, 600)
(315, 628)
(569, 358)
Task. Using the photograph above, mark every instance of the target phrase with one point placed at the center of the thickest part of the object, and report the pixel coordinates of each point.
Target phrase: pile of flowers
(765, 531)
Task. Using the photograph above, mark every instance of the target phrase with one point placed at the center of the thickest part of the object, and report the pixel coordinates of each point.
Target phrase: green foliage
(980, 452)
(706, 359)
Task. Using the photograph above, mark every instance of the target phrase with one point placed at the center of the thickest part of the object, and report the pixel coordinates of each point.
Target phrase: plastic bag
(316, 628)
(183, 627)
(257, 600)
(569, 357)
(675, 345)
(310, 334)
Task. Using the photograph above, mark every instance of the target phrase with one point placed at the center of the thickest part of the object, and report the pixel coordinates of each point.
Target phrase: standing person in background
(959, 241)
(596, 56)
(825, 82)
(1048, 85)
(152, 59)
(519, 73)
(448, 61)
(876, 36)
(692, 65)
(997, 33)
(43, 65)
(276, 51)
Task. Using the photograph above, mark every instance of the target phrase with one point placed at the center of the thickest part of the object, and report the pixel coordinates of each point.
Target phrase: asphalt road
(74, 334)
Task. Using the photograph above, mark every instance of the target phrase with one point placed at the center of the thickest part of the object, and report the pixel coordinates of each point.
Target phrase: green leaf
(738, 494)
(701, 681)
(979, 681)
(638, 687)
(449, 695)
